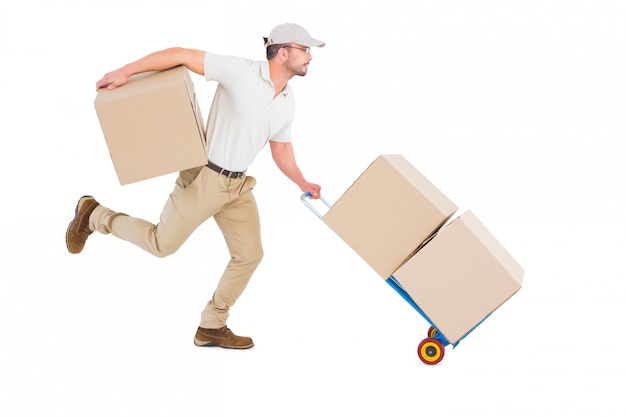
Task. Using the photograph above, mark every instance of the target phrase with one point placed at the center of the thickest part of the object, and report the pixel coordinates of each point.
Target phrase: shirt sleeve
(284, 134)
(224, 68)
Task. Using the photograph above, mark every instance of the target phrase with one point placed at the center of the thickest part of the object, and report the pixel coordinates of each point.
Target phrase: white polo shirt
(244, 114)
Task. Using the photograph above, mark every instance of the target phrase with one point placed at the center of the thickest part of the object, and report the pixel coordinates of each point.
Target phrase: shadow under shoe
(222, 337)
(78, 230)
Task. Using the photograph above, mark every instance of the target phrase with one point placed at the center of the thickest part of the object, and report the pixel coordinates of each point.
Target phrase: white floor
(514, 110)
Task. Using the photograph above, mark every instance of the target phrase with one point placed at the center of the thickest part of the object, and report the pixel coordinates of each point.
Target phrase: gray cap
(291, 33)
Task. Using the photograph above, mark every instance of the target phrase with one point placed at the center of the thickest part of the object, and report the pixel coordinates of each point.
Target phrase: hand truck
(430, 350)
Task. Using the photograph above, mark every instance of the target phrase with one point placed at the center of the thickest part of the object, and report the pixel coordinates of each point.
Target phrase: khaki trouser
(199, 194)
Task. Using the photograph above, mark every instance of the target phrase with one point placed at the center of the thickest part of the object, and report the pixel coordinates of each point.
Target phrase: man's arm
(284, 157)
(157, 61)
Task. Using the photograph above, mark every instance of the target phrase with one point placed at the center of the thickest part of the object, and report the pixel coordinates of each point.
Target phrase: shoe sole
(201, 343)
(73, 220)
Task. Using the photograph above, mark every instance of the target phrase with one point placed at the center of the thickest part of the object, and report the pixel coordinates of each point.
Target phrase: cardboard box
(152, 125)
(388, 212)
(460, 276)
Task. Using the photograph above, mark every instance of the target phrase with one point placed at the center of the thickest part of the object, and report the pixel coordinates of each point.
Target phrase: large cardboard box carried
(388, 212)
(460, 276)
(152, 125)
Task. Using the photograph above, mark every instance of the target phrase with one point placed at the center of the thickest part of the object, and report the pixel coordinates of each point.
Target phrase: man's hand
(113, 79)
(313, 189)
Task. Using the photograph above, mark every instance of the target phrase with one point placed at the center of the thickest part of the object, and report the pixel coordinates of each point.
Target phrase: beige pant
(199, 194)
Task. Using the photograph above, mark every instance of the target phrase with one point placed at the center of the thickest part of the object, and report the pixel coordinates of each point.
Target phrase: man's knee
(164, 249)
(252, 257)
(256, 256)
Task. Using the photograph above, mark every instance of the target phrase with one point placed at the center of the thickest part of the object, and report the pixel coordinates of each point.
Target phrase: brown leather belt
(227, 173)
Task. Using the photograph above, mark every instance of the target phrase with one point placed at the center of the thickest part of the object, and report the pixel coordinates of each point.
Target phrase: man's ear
(284, 53)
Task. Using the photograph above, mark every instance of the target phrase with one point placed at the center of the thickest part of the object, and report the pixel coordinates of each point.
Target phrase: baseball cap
(291, 33)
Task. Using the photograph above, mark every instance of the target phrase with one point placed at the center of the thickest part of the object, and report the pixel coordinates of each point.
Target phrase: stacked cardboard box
(460, 276)
(388, 212)
(152, 125)
(397, 221)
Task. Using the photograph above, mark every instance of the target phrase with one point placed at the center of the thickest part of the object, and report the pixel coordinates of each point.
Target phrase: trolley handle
(305, 199)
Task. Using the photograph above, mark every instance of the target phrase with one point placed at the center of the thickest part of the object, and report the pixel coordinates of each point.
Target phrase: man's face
(299, 58)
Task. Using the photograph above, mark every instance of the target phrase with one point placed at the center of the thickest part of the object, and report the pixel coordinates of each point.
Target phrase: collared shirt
(244, 114)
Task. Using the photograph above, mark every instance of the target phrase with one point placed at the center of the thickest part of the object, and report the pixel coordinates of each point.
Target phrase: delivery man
(253, 105)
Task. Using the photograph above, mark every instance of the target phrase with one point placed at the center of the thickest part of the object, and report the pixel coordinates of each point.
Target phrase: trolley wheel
(430, 351)
(432, 331)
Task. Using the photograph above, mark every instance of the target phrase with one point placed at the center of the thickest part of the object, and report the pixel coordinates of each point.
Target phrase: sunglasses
(306, 50)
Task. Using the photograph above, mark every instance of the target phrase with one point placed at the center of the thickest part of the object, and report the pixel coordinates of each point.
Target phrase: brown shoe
(222, 337)
(78, 230)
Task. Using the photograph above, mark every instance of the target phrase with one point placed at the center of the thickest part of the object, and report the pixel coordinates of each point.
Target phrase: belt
(220, 170)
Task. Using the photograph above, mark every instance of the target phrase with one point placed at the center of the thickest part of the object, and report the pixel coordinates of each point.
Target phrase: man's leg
(196, 197)
(239, 222)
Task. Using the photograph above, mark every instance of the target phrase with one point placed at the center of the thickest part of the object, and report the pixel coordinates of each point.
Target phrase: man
(253, 105)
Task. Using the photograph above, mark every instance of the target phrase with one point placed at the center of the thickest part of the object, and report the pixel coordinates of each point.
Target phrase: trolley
(430, 350)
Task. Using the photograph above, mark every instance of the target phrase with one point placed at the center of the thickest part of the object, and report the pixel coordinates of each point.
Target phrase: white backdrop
(513, 109)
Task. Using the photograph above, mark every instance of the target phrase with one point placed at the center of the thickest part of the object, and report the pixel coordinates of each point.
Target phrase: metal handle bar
(304, 199)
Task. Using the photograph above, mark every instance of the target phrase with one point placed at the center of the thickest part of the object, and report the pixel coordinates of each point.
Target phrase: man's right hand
(113, 79)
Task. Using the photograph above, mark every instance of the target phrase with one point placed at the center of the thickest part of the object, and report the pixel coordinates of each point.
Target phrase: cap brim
(311, 42)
